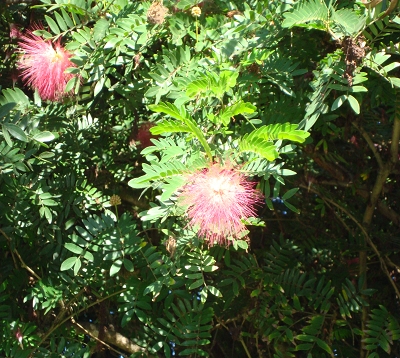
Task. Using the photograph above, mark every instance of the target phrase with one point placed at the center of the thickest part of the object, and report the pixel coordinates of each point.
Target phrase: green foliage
(185, 118)
(260, 140)
(317, 14)
(383, 328)
(91, 233)
(313, 11)
(380, 28)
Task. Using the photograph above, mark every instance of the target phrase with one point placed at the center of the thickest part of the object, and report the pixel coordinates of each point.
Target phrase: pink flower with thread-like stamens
(43, 65)
(218, 199)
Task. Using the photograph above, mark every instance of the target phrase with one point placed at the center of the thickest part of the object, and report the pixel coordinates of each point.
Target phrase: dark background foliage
(86, 276)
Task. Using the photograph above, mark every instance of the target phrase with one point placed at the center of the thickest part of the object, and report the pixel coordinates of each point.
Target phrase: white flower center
(221, 187)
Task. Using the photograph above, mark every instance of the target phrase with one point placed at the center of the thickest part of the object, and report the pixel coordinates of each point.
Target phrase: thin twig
(96, 338)
(23, 264)
(391, 263)
(244, 346)
(366, 236)
(394, 146)
(370, 144)
(54, 327)
(220, 323)
(9, 245)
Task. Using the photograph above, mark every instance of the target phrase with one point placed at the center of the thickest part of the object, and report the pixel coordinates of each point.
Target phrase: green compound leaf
(73, 248)
(264, 148)
(68, 263)
(238, 108)
(52, 24)
(115, 267)
(183, 116)
(16, 131)
(167, 126)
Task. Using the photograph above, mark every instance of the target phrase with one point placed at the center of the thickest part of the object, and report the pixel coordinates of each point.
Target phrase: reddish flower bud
(19, 336)
(15, 33)
(144, 135)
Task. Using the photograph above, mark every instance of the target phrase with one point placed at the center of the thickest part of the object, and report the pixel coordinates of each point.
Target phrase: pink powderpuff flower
(217, 200)
(43, 65)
